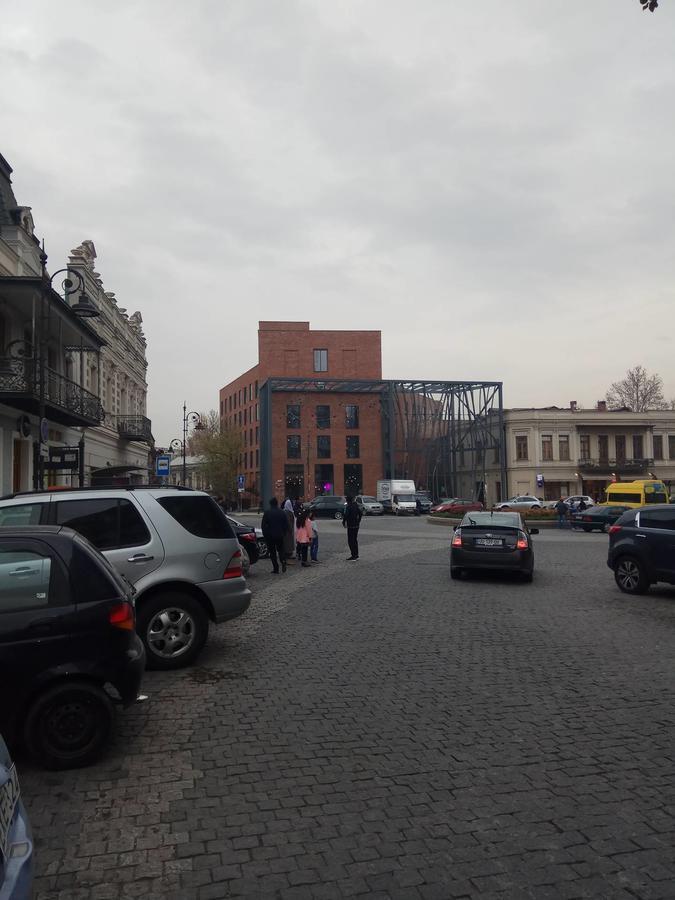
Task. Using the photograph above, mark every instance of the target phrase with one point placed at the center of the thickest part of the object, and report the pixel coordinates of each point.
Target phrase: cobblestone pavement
(374, 729)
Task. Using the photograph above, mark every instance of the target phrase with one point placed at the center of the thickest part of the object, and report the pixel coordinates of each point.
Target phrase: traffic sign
(241, 481)
(163, 466)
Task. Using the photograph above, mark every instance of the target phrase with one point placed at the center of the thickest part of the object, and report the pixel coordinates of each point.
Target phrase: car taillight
(234, 569)
(522, 543)
(586, 519)
(122, 616)
(614, 528)
(247, 536)
(457, 538)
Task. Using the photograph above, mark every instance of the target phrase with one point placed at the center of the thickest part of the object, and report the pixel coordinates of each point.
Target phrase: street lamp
(72, 283)
(189, 418)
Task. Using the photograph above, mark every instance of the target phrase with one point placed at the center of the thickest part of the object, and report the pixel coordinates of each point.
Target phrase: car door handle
(641, 535)
(140, 557)
(45, 625)
(21, 573)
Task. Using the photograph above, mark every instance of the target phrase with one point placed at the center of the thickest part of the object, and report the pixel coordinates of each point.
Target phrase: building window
(620, 445)
(521, 447)
(257, 413)
(324, 481)
(564, 447)
(547, 447)
(323, 417)
(250, 436)
(603, 447)
(293, 415)
(221, 403)
(658, 446)
(321, 360)
(257, 434)
(671, 446)
(245, 417)
(351, 416)
(638, 452)
(257, 457)
(584, 446)
(353, 448)
(353, 478)
(256, 390)
(323, 446)
(240, 400)
(293, 446)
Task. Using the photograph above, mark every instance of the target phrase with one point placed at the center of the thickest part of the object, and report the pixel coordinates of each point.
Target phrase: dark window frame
(321, 359)
(352, 441)
(294, 442)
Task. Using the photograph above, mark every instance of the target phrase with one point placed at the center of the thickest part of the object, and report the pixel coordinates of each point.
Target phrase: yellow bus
(636, 493)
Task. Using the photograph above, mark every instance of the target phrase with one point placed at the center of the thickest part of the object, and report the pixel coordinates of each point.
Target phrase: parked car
(424, 502)
(458, 507)
(248, 541)
(575, 500)
(173, 544)
(523, 501)
(16, 838)
(642, 548)
(490, 540)
(328, 506)
(445, 501)
(597, 517)
(369, 506)
(66, 633)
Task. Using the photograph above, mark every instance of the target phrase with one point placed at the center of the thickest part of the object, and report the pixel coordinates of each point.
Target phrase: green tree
(638, 391)
(220, 452)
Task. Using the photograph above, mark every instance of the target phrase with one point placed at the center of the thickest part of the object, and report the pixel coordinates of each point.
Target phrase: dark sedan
(327, 506)
(492, 540)
(597, 517)
(246, 535)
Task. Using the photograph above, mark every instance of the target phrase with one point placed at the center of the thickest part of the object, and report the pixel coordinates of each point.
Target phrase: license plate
(489, 542)
(9, 797)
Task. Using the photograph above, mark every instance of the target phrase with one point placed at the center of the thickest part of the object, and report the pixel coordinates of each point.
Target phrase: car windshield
(482, 519)
(405, 498)
(369, 499)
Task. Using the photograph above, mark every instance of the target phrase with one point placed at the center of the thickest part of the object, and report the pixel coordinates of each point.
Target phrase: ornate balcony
(618, 466)
(135, 428)
(65, 401)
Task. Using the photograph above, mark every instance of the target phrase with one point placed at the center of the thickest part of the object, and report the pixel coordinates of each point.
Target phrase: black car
(492, 540)
(67, 633)
(424, 503)
(597, 517)
(642, 548)
(327, 506)
(246, 535)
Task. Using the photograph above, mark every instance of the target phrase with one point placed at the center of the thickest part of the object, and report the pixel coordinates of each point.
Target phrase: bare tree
(638, 391)
(220, 452)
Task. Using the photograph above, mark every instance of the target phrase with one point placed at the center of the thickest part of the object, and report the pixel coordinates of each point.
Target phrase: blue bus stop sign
(163, 466)
(241, 481)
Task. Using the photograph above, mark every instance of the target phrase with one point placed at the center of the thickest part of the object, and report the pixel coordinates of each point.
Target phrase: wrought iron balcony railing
(602, 464)
(134, 428)
(65, 401)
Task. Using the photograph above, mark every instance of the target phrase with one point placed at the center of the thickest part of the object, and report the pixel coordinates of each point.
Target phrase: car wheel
(587, 528)
(338, 514)
(263, 549)
(69, 725)
(630, 575)
(535, 506)
(455, 572)
(173, 627)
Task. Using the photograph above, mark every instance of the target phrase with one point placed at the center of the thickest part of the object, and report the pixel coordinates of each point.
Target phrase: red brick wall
(351, 354)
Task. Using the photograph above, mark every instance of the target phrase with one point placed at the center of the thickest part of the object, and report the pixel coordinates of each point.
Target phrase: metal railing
(21, 377)
(134, 428)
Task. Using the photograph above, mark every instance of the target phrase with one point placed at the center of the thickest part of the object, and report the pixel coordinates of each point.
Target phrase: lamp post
(189, 418)
(71, 283)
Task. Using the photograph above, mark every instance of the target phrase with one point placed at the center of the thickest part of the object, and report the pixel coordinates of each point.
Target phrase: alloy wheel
(628, 574)
(171, 632)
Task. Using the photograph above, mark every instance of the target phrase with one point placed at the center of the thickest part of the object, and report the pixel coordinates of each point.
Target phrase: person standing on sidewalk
(303, 536)
(274, 528)
(289, 537)
(351, 521)
(314, 546)
(561, 509)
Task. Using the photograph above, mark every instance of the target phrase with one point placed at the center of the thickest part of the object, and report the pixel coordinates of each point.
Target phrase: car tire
(182, 613)
(338, 515)
(69, 725)
(263, 549)
(587, 528)
(455, 572)
(630, 575)
(535, 506)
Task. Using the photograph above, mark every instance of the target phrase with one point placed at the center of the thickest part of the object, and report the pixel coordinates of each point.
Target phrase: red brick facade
(292, 350)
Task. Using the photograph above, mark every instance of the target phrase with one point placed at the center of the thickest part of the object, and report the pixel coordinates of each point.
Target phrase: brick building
(318, 443)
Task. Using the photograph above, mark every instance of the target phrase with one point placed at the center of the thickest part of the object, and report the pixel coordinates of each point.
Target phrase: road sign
(163, 466)
(241, 481)
(44, 430)
(64, 458)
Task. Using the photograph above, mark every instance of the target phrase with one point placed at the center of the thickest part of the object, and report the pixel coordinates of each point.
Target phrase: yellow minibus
(636, 493)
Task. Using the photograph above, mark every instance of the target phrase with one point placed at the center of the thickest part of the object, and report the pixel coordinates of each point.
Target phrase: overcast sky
(489, 183)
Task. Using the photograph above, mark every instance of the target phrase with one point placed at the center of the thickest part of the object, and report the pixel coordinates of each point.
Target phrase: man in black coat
(274, 526)
(351, 521)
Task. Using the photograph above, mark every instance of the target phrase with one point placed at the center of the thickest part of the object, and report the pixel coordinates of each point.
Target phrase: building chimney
(573, 405)
(602, 406)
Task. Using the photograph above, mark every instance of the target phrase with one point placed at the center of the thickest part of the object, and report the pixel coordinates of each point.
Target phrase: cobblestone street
(375, 729)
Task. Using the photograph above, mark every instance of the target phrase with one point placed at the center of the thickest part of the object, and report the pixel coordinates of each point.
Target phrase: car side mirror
(454, 528)
(533, 530)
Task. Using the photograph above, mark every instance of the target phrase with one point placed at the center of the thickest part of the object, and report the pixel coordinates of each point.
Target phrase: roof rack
(105, 487)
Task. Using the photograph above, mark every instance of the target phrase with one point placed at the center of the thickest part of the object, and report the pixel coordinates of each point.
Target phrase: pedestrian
(561, 509)
(581, 505)
(303, 536)
(351, 521)
(314, 548)
(289, 537)
(274, 528)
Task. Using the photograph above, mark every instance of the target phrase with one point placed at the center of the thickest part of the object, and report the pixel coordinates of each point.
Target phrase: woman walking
(289, 537)
(303, 536)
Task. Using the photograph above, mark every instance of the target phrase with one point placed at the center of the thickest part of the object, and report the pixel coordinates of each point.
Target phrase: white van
(397, 496)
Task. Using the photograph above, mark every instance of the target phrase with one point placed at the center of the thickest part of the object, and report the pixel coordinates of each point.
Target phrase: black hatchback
(68, 645)
(492, 540)
(327, 506)
(642, 548)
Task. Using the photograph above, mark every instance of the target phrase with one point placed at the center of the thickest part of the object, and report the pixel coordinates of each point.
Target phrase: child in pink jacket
(303, 536)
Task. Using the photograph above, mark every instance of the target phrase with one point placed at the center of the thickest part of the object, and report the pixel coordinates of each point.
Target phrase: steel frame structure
(438, 432)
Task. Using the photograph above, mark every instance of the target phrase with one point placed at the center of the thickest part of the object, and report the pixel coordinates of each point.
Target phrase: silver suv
(174, 545)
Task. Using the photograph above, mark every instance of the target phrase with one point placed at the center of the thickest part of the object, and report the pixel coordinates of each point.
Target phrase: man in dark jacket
(351, 521)
(274, 526)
